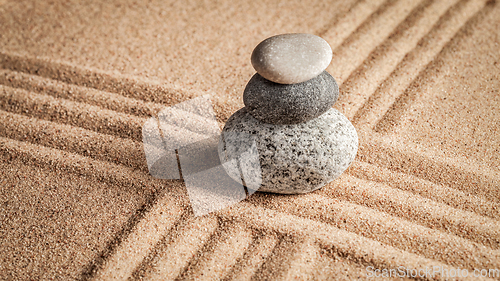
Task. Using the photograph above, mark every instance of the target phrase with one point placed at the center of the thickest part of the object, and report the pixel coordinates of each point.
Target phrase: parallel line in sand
(91, 96)
(37, 148)
(177, 252)
(375, 30)
(52, 131)
(388, 229)
(357, 247)
(254, 257)
(340, 30)
(332, 264)
(192, 239)
(293, 258)
(148, 231)
(431, 165)
(226, 248)
(414, 208)
(382, 61)
(34, 154)
(73, 139)
(297, 258)
(73, 113)
(279, 260)
(77, 140)
(436, 192)
(303, 262)
(114, 174)
(391, 98)
(151, 92)
(128, 86)
(110, 102)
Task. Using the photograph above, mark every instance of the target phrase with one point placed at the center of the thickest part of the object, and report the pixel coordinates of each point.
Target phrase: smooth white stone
(291, 58)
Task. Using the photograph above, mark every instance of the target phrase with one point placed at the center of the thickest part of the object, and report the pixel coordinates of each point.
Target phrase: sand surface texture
(418, 79)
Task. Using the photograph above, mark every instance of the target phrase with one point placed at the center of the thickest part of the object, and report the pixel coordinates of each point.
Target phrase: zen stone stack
(300, 141)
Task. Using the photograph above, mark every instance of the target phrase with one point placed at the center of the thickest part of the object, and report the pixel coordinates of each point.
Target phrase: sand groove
(135, 247)
(220, 254)
(395, 90)
(436, 192)
(461, 174)
(284, 253)
(124, 93)
(356, 48)
(330, 237)
(115, 175)
(391, 230)
(258, 252)
(73, 139)
(72, 113)
(39, 155)
(340, 29)
(91, 96)
(342, 268)
(148, 91)
(382, 61)
(399, 203)
(303, 262)
(177, 252)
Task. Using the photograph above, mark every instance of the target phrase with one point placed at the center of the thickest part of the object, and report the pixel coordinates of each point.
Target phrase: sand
(418, 79)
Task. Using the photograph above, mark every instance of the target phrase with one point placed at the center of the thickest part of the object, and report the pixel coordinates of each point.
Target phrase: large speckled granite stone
(296, 158)
(281, 104)
(291, 58)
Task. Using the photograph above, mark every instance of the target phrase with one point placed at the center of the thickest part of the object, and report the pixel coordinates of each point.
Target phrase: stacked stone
(302, 142)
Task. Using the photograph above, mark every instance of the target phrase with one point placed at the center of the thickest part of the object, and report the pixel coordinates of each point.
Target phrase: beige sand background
(419, 80)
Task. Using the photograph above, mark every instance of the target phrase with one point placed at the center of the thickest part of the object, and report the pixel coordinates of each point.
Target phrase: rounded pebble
(292, 159)
(281, 104)
(291, 58)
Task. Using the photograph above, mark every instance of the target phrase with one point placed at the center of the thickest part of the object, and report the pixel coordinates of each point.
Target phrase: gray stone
(281, 104)
(291, 58)
(292, 159)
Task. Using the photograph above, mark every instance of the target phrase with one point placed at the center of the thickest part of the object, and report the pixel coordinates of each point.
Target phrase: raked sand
(419, 80)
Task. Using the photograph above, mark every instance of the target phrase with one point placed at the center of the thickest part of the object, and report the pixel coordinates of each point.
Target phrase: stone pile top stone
(291, 58)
